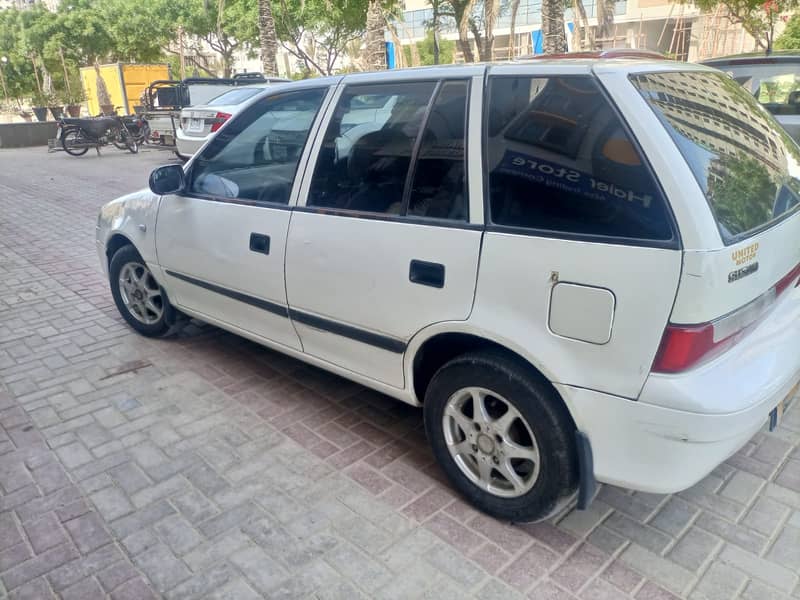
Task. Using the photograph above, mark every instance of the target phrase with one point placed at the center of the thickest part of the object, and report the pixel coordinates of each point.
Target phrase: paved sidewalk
(208, 467)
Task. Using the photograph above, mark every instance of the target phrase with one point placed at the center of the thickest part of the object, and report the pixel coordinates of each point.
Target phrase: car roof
(577, 63)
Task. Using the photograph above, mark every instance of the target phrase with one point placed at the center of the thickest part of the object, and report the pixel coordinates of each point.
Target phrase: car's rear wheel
(502, 436)
(141, 301)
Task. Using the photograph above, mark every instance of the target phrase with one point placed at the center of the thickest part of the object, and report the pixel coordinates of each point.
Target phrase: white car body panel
(132, 216)
(513, 298)
(705, 292)
(355, 271)
(209, 241)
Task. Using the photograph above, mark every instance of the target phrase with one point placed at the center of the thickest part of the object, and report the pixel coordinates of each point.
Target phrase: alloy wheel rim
(491, 442)
(140, 293)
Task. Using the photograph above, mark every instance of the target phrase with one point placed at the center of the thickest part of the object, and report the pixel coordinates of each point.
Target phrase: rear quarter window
(562, 163)
(744, 161)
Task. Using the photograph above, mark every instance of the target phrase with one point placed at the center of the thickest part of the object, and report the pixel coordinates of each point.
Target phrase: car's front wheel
(502, 436)
(141, 301)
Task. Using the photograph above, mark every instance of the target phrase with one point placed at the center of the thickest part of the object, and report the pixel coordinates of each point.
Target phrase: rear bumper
(187, 145)
(684, 425)
(656, 449)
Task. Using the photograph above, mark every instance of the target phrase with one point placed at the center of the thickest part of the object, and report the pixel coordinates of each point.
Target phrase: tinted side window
(255, 157)
(440, 176)
(560, 160)
(366, 152)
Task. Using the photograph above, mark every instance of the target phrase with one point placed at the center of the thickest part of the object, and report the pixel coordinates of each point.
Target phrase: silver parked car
(774, 80)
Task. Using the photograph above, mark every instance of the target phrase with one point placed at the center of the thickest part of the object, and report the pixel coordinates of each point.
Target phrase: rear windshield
(234, 97)
(746, 164)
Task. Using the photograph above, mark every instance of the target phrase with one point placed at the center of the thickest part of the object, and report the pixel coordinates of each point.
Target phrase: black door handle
(259, 243)
(426, 273)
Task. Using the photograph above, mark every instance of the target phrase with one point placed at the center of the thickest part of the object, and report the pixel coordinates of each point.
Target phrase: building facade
(679, 30)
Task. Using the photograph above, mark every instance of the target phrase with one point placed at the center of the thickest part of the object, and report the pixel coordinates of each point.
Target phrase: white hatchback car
(582, 270)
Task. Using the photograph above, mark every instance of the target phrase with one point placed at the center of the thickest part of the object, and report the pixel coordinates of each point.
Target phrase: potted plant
(40, 101)
(73, 100)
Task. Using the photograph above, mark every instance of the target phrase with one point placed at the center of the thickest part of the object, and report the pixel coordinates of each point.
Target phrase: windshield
(236, 96)
(746, 164)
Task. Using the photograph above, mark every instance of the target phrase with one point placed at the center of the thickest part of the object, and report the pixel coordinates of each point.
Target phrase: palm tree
(554, 40)
(376, 48)
(605, 21)
(583, 35)
(268, 38)
(491, 8)
(512, 36)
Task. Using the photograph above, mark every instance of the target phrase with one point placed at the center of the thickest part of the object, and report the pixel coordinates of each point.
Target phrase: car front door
(381, 244)
(221, 242)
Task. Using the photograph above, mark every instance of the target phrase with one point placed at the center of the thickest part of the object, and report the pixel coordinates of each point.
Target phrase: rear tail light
(792, 278)
(219, 119)
(686, 346)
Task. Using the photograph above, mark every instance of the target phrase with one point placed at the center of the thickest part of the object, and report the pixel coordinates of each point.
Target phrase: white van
(582, 270)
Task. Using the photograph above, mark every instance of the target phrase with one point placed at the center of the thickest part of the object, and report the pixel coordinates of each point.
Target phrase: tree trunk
(465, 45)
(268, 39)
(376, 48)
(584, 33)
(605, 22)
(512, 41)
(490, 10)
(463, 14)
(554, 40)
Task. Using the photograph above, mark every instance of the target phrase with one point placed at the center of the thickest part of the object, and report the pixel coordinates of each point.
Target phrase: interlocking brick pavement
(207, 467)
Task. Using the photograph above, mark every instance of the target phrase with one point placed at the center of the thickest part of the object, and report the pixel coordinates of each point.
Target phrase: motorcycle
(139, 127)
(78, 135)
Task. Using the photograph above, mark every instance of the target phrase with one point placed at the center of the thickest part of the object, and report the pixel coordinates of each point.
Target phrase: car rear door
(221, 242)
(382, 244)
(581, 257)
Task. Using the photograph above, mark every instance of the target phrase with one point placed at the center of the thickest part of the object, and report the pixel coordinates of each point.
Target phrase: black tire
(169, 320)
(118, 139)
(72, 136)
(133, 145)
(544, 413)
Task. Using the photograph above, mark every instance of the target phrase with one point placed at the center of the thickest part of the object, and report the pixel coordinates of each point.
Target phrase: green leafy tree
(225, 25)
(17, 70)
(790, 38)
(447, 50)
(757, 17)
(317, 32)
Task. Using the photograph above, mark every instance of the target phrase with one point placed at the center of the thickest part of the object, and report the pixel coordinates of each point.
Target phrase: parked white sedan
(582, 270)
(197, 123)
